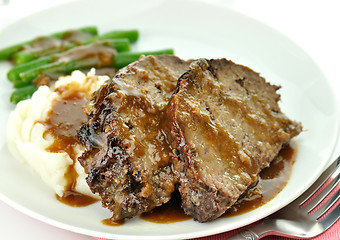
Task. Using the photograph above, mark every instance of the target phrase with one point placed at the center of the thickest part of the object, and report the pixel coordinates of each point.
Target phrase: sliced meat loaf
(127, 158)
(225, 125)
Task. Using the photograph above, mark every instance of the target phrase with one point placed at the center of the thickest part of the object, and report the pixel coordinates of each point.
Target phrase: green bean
(121, 44)
(7, 53)
(132, 35)
(119, 60)
(23, 57)
(89, 29)
(23, 93)
(124, 58)
(14, 74)
(27, 77)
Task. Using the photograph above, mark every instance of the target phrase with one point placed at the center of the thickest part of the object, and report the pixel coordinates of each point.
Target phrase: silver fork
(296, 219)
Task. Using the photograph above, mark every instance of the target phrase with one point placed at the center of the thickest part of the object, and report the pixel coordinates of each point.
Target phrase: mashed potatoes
(29, 139)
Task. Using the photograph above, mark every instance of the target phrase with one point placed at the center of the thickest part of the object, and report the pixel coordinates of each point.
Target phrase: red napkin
(333, 233)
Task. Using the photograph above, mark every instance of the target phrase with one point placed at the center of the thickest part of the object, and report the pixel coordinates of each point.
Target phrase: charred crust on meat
(182, 80)
(240, 81)
(127, 162)
(129, 125)
(210, 125)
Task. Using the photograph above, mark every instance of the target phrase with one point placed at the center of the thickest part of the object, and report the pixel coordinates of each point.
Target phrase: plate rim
(89, 232)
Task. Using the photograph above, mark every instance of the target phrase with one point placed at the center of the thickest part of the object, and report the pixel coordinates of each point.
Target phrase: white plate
(194, 29)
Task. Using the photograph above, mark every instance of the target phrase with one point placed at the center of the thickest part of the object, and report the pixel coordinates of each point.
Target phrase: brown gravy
(271, 181)
(98, 55)
(64, 126)
(168, 213)
(112, 223)
(44, 79)
(75, 199)
(48, 45)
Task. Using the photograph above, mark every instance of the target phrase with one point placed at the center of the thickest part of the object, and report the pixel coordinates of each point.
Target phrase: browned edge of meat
(127, 157)
(224, 125)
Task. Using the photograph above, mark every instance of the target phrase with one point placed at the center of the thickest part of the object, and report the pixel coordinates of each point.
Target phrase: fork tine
(323, 194)
(327, 205)
(331, 218)
(333, 168)
(292, 220)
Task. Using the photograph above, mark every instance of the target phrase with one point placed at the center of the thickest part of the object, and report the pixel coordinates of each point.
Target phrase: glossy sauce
(99, 56)
(108, 71)
(112, 223)
(76, 37)
(48, 45)
(47, 80)
(75, 199)
(44, 45)
(168, 213)
(64, 126)
(271, 181)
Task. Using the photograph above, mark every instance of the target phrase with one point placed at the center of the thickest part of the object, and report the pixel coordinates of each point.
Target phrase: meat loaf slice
(225, 126)
(127, 158)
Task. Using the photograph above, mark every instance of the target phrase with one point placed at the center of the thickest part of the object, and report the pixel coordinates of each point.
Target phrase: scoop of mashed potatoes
(28, 138)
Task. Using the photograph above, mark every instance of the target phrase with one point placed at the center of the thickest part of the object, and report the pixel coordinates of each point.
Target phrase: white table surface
(313, 25)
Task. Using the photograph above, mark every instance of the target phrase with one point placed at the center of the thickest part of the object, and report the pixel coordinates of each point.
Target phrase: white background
(313, 25)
